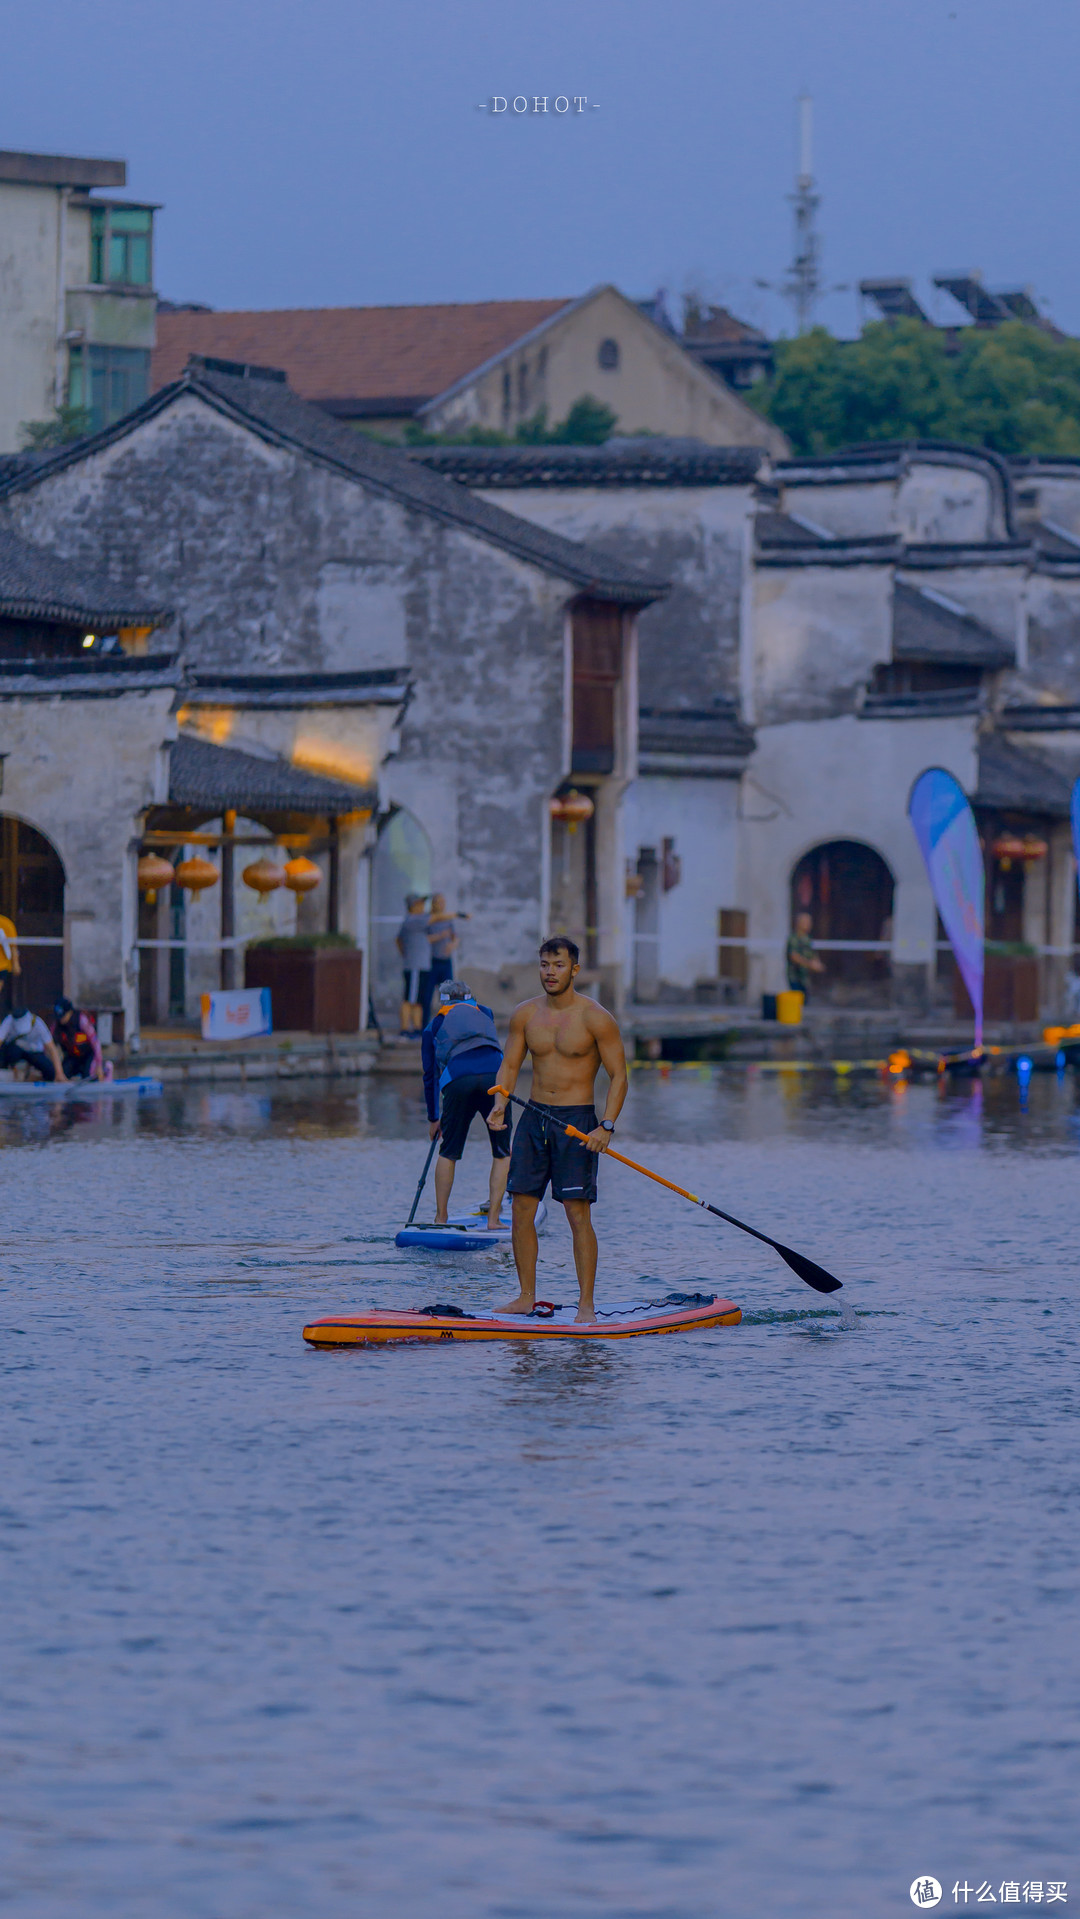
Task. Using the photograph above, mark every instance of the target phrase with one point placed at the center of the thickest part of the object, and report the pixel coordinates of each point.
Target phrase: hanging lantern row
(154, 873)
(299, 875)
(1009, 847)
(572, 809)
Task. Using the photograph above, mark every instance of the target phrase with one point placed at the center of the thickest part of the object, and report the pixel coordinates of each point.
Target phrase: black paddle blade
(809, 1270)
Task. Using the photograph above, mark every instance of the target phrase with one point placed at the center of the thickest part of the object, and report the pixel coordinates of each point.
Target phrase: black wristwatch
(608, 1125)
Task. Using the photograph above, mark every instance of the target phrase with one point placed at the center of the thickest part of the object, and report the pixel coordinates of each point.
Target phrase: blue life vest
(463, 1028)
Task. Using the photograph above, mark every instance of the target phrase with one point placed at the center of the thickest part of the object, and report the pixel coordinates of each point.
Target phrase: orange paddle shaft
(573, 1133)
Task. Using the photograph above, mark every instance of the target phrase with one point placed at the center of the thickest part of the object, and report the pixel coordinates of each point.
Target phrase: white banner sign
(236, 1014)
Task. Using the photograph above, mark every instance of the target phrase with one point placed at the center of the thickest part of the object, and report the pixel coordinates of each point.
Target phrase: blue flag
(948, 839)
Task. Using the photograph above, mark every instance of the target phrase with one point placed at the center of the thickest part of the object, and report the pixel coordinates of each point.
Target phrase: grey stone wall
(275, 563)
(698, 538)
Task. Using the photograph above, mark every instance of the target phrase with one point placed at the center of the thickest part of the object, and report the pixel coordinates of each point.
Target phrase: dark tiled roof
(91, 677)
(269, 408)
(1041, 719)
(925, 629)
(928, 556)
(773, 529)
(1054, 544)
(379, 686)
(693, 740)
(203, 775)
(647, 461)
(783, 542)
(939, 704)
(1020, 782)
(400, 356)
(35, 585)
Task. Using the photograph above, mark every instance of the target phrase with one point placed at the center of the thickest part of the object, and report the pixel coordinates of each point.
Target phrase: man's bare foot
(518, 1305)
(585, 1315)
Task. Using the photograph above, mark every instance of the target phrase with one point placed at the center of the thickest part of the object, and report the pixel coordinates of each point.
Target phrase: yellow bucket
(789, 1008)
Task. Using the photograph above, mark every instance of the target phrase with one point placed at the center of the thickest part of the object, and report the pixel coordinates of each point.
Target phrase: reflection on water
(677, 1104)
(763, 1620)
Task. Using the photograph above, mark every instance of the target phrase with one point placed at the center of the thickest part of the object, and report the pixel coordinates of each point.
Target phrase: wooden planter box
(312, 989)
(1010, 990)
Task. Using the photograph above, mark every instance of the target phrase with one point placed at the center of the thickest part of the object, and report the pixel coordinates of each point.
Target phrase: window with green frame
(108, 381)
(120, 246)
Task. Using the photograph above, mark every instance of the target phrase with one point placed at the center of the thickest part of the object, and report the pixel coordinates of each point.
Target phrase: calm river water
(764, 1621)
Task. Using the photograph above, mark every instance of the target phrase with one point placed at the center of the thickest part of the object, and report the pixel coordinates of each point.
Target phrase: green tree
(1014, 389)
(588, 423)
(66, 424)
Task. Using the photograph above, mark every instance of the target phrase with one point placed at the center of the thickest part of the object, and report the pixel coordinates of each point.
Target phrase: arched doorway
(401, 864)
(32, 896)
(847, 889)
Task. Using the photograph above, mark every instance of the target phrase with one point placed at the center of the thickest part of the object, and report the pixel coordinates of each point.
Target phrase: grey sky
(321, 152)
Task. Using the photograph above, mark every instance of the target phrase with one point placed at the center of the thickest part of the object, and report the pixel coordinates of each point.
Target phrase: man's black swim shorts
(542, 1152)
(463, 1098)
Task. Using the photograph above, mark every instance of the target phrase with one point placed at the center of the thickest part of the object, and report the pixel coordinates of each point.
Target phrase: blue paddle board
(464, 1232)
(78, 1088)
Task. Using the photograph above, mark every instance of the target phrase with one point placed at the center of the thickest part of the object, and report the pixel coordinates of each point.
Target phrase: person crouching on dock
(569, 1037)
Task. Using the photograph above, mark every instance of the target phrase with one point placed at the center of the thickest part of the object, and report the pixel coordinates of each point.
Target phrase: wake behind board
(674, 1313)
(464, 1232)
(78, 1088)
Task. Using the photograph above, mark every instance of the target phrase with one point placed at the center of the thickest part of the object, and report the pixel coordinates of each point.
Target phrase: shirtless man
(569, 1038)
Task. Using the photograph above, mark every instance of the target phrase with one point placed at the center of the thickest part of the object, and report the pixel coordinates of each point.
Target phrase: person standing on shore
(800, 956)
(9, 964)
(443, 942)
(412, 944)
(569, 1038)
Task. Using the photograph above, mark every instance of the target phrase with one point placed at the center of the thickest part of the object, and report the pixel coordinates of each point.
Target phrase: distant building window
(108, 381)
(120, 246)
(523, 384)
(607, 354)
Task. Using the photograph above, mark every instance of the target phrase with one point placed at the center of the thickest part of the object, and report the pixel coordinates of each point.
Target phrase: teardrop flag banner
(1075, 811)
(945, 828)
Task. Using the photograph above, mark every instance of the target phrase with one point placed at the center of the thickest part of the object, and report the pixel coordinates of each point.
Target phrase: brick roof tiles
(354, 353)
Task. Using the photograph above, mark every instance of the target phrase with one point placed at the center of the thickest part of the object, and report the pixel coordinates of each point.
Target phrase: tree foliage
(1014, 389)
(588, 423)
(66, 424)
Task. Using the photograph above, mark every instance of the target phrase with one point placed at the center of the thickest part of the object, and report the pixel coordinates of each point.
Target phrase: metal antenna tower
(803, 283)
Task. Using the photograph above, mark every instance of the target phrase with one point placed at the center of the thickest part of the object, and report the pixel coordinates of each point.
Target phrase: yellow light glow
(332, 759)
(88, 639)
(213, 723)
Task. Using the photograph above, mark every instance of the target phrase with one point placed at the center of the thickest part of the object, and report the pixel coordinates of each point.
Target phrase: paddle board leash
(807, 1269)
(423, 1179)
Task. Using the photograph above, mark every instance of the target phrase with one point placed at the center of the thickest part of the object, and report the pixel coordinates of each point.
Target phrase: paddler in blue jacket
(462, 1058)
